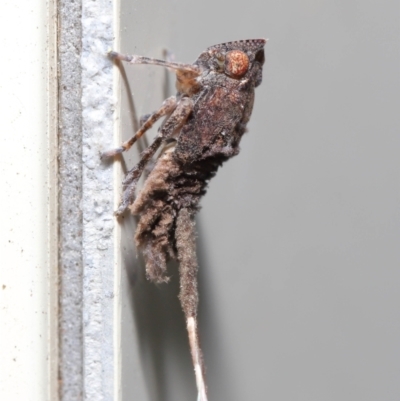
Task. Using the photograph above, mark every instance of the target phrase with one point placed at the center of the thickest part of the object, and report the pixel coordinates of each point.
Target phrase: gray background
(299, 234)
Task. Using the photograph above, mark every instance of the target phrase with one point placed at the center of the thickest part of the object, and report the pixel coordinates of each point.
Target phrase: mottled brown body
(211, 134)
(204, 124)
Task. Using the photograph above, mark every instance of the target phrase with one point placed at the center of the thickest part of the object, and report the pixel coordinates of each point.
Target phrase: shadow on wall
(156, 312)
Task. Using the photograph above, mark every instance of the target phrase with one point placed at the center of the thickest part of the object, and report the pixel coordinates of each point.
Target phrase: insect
(203, 125)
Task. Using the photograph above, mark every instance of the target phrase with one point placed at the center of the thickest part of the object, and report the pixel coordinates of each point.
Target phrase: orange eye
(236, 63)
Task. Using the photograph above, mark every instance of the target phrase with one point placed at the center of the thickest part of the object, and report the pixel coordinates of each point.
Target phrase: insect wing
(216, 114)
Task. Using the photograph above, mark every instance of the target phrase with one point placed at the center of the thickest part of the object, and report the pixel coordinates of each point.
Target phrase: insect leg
(167, 107)
(134, 175)
(144, 118)
(186, 247)
(173, 123)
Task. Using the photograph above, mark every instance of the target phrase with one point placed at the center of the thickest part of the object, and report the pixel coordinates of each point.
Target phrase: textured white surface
(26, 182)
(97, 202)
(89, 290)
(69, 201)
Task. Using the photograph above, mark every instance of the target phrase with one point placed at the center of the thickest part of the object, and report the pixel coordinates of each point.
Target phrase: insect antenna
(134, 59)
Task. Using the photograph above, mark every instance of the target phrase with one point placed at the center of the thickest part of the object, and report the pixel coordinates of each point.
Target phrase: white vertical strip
(97, 201)
(52, 206)
(117, 231)
(27, 178)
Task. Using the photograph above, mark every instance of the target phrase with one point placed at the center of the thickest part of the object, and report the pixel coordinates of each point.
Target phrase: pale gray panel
(298, 235)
